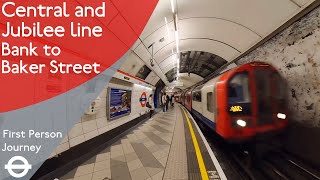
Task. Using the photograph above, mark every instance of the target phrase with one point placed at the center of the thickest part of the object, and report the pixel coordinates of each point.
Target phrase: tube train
(241, 104)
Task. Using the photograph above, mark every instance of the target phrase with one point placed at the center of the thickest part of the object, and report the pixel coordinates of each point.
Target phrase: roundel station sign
(143, 99)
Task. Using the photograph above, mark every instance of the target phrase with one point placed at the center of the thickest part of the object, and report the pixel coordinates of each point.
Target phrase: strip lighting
(167, 27)
(142, 86)
(172, 6)
(178, 67)
(176, 33)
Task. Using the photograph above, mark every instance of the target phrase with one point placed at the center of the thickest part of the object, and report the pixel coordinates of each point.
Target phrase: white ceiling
(225, 28)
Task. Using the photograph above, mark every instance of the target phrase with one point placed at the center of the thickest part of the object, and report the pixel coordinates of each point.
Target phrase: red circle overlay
(143, 99)
(123, 24)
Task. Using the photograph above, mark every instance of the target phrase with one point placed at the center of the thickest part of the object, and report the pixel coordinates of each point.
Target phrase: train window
(263, 82)
(210, 102)
(196, 96)
(238, 89)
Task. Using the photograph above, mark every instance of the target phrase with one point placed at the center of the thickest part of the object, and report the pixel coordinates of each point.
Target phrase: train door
(197, 100)
(264, 101)
(209, 100)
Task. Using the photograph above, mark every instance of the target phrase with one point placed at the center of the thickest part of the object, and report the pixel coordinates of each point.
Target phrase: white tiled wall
(90, 126)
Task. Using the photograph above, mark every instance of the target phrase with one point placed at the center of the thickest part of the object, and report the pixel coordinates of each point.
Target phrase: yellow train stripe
(202, 166)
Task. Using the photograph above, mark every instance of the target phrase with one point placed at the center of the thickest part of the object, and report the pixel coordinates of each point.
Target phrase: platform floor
(168, 146)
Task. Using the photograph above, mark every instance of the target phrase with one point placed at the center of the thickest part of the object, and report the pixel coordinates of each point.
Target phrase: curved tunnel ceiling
(196, 62)
(222, 30)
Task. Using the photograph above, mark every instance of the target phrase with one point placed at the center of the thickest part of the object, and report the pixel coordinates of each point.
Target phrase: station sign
(143, 99)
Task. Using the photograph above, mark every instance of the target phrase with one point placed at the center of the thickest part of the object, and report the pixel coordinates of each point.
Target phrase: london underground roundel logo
(25, 167)
(143, 99)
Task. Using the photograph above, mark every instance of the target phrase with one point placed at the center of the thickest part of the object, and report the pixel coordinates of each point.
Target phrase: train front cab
(252, 101)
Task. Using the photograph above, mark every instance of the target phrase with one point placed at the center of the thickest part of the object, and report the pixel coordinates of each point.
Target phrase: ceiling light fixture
(176, 33)
(172, 6)
(167, 27)
(178, 66)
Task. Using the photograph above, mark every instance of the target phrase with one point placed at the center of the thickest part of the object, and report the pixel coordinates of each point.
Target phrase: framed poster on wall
(119, 103)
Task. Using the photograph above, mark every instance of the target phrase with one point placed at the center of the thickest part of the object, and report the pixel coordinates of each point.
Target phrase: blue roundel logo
(143, 99)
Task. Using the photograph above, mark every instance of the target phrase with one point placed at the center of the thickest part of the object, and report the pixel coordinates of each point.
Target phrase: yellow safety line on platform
(202, 166)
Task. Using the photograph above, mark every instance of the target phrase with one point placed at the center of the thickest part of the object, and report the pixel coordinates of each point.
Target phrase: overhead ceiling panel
(131, 65)
(170, 60)
(168, 52)
(160, 37)
(143, 53)
(262, 16)
(165, 52)
(231, 34)
(169, 66)
(156, 20)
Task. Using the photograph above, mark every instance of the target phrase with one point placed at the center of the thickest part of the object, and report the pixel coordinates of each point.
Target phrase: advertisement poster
(119, 103)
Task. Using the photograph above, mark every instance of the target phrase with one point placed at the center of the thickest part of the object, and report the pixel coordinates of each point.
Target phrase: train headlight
(241, 123)
(281, 116)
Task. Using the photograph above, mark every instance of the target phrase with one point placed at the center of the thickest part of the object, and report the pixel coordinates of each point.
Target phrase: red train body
(188, 99)
(242, 103)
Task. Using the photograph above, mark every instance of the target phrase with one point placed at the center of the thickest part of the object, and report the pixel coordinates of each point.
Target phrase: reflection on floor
(142, 154)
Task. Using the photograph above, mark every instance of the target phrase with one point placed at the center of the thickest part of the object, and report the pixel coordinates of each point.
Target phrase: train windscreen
(270, 94)
(278, 93)
(239, 96)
